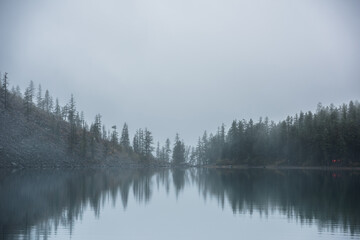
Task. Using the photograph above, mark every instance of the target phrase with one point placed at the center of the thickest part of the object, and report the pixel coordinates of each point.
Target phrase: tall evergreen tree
(97, 127)
(47, 102)
(31, 91)
(5, 91)
(114, 137)
(27, 102)
(136, 145)
(39, 98)
(124, 140)
(104, 133)
(167, 150)
(148, 141)
(28, 98)
(158, 151)
(71, 119)
(178, 151)
(57, 110)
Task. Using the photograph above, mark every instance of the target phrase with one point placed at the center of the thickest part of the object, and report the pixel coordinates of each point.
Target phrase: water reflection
(34, 203)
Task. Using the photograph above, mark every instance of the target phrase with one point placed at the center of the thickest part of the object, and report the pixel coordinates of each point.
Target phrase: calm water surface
(179, 204)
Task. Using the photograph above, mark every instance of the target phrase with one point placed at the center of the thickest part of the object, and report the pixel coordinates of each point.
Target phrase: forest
(328, 137)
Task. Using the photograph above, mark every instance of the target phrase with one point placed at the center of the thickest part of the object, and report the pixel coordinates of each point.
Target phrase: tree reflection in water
(37, 202)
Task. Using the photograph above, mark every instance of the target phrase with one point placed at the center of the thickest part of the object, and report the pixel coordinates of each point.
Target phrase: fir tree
(178, 151)
(5, 91)
(124, 140)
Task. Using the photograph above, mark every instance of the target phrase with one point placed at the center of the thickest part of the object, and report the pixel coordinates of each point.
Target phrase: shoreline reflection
(37, 202)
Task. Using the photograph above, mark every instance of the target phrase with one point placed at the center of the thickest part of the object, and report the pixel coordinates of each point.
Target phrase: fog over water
(185, 66)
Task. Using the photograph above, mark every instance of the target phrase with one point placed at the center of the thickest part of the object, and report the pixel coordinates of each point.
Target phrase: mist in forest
(184, 66)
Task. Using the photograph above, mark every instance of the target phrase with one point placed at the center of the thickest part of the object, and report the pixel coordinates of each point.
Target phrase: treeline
(90, 141)
(331, 136)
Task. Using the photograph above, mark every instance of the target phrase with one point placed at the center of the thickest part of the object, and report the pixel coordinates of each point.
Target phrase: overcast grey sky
(185, 65)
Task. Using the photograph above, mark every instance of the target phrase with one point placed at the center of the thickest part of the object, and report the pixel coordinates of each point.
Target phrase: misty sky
(185, 65)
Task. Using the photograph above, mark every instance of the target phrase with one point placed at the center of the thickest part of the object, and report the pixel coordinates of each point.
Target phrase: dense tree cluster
(178, 151)
(163, 153)
(83, 139)
(331, 136)
(179, 155)
(143, 143)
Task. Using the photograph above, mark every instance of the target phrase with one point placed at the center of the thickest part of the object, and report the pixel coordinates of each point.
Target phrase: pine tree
(83, 146)
(39, 99)
(78, 120)
(92, 142)
(27, 102)
(31, 91)
(167, 150)
(47, 102)
(65, 112)
(28, 98)
(82, 119)
(141, 142)
(5, 91)
(136, 146)
(158, 151)
(178, 151)
(114, 137)
(124, 140)
(148, 141)
(97, 127)
(104, 133)
(71, 118)
(57, 110)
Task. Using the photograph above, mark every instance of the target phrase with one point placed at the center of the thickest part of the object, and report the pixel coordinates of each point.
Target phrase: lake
(179, 204)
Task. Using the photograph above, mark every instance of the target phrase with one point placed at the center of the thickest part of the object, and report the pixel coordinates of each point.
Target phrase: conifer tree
(82, 119)
(97, 127)
(57, 110)
(39, 98)
(31, 91)
(47, 102)
(83, 146)
(28, 98)
(136, 146)
(167, 150)
(124, 140)
(104, 132)
(114, 137)
(71, 119)
(5, 91)
(178, 151)
(158, 151)
(27, 102)
(148, 141)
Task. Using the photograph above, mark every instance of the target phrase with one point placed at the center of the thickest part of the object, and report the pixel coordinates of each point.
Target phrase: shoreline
(274, 167)
(170, 166)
